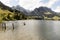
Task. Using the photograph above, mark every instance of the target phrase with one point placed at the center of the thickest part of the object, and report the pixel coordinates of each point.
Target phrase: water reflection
(32, 30)
(49, 30)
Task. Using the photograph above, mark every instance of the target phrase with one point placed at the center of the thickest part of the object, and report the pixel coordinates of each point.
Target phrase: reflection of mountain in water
(36, 29)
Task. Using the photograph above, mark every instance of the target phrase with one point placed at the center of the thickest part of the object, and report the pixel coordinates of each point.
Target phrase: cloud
(14, 2)
(51, 2)
(57, 9)
(32, 4)
(10, 2)
(6, 2)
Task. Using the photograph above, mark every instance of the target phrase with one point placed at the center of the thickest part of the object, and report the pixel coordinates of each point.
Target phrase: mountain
(37, 12)
(19, 13)
(43, 11)
(19, 8)
(7, 13)
(4, 7)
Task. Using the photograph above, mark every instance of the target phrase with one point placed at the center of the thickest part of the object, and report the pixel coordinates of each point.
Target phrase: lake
(30, 30)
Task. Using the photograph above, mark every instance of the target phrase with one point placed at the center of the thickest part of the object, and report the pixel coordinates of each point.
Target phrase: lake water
(30, 30)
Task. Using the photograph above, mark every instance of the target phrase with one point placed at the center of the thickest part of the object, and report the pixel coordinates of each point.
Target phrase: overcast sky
(32, 4)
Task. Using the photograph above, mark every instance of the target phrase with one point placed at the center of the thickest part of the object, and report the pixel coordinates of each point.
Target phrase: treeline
(6, 15)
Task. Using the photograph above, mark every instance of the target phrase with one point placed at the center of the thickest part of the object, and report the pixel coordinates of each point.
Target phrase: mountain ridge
(9, 14)
(41, 13)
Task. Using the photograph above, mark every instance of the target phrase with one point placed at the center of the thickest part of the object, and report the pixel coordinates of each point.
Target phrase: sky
(32, 4)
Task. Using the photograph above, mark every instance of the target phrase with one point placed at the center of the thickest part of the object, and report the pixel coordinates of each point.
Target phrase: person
(13, 25)
(4, 26)
(24, 23)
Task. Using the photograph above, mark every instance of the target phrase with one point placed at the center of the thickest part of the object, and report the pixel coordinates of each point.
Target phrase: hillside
(45, 13)
(21, 9)
(7, 13)
(19, 13)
